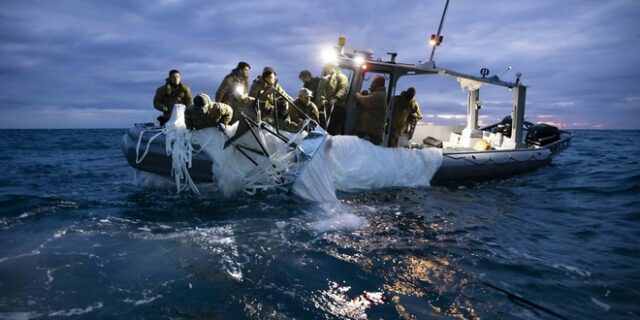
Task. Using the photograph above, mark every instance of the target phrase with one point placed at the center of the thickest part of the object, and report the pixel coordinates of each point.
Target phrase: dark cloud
(75, 63)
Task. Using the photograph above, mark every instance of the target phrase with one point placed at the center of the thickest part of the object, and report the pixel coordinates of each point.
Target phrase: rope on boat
(178, 145)
(146, 150)
(490, 160)
(268, 174)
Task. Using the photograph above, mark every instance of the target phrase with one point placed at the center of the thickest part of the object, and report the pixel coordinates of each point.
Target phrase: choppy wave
(81, 239)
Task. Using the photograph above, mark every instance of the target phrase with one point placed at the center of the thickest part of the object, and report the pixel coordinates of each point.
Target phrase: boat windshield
(443, 101)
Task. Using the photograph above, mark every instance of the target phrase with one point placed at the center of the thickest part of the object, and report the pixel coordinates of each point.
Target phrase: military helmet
(202, 100)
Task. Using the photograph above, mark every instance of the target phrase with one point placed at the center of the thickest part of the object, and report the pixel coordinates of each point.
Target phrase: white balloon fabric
(348, 163)
(345, 163)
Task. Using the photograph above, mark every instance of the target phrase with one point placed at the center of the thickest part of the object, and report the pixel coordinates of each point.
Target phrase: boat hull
(456, 166)
(156, 160)
(492, 164)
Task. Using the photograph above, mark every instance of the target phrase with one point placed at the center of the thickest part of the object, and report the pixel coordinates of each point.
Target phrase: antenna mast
(437, 38)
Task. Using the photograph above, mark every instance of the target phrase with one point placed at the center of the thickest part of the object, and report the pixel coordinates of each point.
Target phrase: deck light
(329, 55)
(342, 41)
(435, 40)
(359, 60)
(239, 89)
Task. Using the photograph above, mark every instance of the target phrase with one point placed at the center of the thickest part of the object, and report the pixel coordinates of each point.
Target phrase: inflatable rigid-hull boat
(457, 165)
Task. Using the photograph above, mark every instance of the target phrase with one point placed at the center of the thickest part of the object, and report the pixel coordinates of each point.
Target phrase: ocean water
(81, 239)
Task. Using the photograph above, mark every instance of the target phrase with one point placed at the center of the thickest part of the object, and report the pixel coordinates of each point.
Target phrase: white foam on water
(601, 304)
(339, 222)
(335, 217)
(32, 253)
(219, 241)
(50, 272)
(76, 311)
(335, 301)
(153, 181)
(572, 269)
(21, 315)
(146, 298)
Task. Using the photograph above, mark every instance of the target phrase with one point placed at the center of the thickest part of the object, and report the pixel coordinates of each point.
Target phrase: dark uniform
(313, 85)
(405, 111)
(372, 115)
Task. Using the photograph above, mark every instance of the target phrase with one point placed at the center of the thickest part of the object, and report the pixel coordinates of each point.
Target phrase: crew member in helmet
(304, 104)
(372, 113)
(174, 91)
(204, 113)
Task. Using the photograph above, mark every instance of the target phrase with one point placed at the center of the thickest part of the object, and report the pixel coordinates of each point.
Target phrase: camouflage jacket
(169, 94)
(227, 91)
(309, 109)
(208, 116)
(403, 112)
(333, 86)
(268, 97)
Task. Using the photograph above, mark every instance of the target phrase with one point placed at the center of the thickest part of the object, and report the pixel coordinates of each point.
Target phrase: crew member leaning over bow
(204, 113)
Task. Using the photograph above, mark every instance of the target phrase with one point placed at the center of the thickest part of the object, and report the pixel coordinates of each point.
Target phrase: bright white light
(359, 60)
(329, 55)
(239, 89)
(432, 43)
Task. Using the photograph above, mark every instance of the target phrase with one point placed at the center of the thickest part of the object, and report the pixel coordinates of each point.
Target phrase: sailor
(234, 88)
(278, 117)
(267, 90)
(406, 112)
(310, 82)
(372, 114)
(174, 91)
(332, 97)
(304, 104)
(205, 113)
